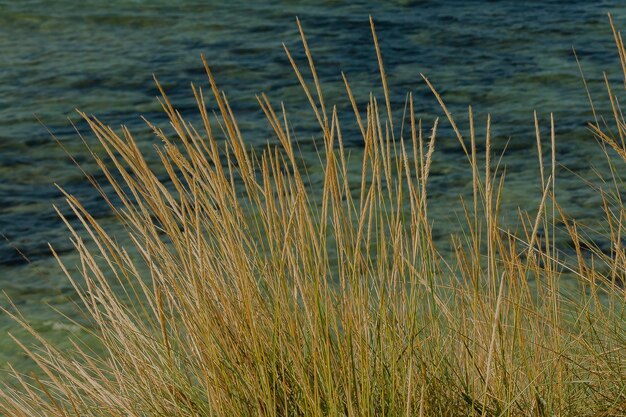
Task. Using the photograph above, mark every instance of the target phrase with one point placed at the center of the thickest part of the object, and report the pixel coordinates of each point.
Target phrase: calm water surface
(507, 58)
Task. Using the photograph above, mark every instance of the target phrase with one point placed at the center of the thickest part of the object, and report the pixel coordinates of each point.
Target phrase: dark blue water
(507, 58)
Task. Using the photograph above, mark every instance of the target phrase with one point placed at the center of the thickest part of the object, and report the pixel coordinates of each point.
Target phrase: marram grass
(252, 293)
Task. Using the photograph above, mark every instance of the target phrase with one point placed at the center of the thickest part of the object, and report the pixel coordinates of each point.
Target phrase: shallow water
(507, 58)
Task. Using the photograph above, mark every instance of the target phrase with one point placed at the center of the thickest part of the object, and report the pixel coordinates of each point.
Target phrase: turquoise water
(507, 58)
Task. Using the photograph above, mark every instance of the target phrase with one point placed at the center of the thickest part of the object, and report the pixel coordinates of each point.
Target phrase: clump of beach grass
(249, 292)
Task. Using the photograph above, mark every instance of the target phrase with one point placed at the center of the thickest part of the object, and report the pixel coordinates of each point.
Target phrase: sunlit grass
(252, 292)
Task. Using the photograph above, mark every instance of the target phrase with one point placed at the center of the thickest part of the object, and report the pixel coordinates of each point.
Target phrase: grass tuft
(244, 290)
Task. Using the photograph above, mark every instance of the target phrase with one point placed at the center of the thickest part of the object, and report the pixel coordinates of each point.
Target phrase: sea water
(506, 58)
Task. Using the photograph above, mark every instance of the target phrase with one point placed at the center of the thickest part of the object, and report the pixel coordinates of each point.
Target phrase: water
(507, 58)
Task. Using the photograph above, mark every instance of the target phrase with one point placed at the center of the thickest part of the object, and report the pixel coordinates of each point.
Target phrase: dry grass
(255, 294)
